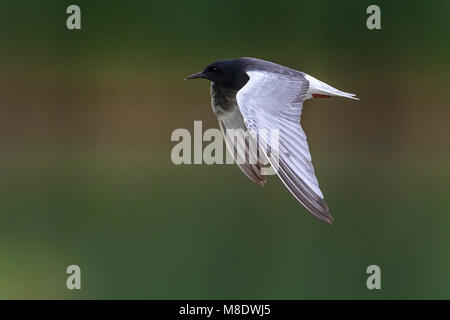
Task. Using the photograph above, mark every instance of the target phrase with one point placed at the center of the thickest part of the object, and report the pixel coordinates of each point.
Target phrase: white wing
(274, 101)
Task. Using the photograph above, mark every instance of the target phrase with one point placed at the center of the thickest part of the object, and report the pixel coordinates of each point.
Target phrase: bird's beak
(195, 76)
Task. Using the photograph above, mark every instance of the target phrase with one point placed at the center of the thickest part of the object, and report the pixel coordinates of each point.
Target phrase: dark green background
(86, 176)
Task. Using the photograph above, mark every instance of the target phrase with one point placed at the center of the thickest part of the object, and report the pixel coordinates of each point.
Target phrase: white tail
(317, 87)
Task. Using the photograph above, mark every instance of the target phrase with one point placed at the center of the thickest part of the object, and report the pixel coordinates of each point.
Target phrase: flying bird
(254, 94)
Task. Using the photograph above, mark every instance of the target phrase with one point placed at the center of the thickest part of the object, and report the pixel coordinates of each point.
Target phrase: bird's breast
(223, 100)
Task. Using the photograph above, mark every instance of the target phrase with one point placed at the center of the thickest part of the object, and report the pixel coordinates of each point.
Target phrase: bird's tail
(319, 89)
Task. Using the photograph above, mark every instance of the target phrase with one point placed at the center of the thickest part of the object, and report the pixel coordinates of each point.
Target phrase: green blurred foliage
(85, 124)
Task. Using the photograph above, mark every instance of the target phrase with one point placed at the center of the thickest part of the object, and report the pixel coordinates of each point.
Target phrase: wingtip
(261, 182)
(328, 219)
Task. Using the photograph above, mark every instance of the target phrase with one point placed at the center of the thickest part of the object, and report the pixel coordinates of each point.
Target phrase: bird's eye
(214, 69)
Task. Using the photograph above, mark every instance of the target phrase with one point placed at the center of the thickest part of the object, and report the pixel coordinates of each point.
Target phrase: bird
(254, 94)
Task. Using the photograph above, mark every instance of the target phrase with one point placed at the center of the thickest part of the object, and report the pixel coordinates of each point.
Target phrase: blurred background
(87, 179)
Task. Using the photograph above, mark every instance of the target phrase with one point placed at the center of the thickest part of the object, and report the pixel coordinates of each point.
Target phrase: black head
(228, 73)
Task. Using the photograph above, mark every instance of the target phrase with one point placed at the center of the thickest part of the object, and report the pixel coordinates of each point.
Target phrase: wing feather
(241, 147)
(271, 101)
